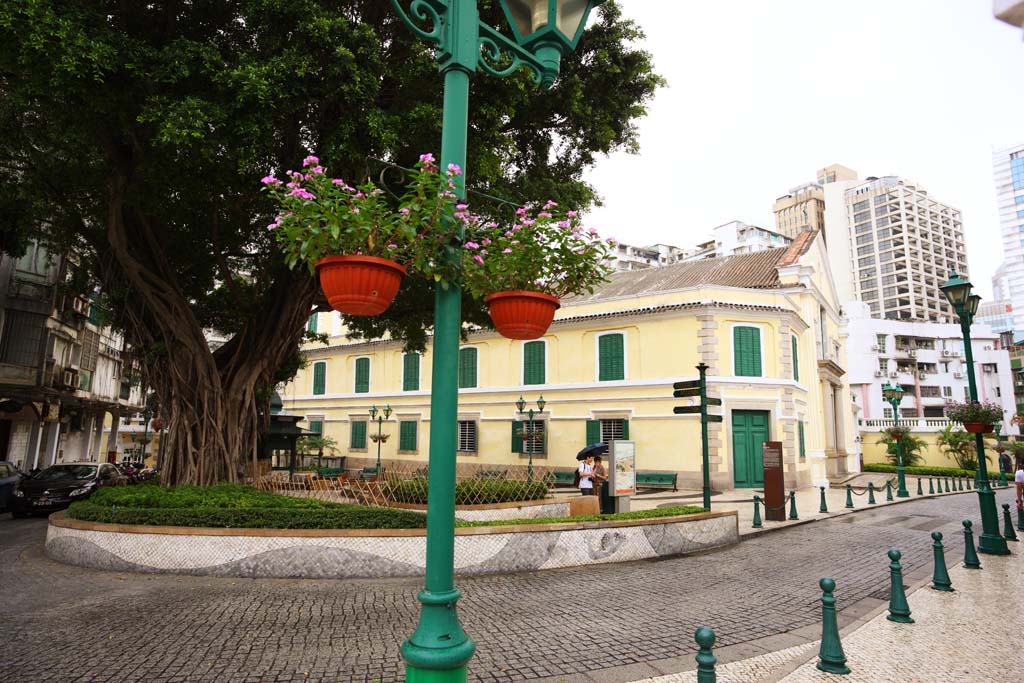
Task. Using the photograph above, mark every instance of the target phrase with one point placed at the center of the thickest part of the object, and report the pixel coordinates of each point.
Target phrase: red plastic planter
(359, 285)
(522, 315)
(978, 427)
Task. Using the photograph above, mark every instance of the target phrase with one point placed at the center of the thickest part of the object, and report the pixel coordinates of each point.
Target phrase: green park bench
(492, 474)
(329, 472)
(368, 472)
(562, 477)
(657, 480)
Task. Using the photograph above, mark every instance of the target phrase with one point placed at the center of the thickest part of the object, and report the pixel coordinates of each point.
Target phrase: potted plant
(357, 239)
(976, 417)
(522, 271)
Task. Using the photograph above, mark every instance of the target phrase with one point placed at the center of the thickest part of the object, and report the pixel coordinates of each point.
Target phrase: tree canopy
(135, 134)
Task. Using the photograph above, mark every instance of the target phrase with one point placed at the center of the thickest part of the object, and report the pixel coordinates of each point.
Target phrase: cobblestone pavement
(63, 623)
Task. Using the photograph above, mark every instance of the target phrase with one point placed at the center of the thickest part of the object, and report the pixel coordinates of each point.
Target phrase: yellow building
(766, 323)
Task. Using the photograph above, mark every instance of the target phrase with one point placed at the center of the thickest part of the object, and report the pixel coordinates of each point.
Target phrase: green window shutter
(407, 436)
(311, 325)
(803, 452)
(796, 360)
(533, 363)
(358, 435)
(319, 379)
(317, 427)
(517, 437)
(625, 429)
(411, 373)
(593, 432)
(467, 368)
(610, 363)
(362, 375)
(747, 351)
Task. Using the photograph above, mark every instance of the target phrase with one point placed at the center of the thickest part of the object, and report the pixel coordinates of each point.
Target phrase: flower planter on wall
(359, 285)
(520, 314)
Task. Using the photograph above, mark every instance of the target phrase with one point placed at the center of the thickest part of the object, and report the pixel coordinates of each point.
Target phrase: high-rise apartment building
(800, 209)
(1010, 11)
(1008, 282)
(891, 245)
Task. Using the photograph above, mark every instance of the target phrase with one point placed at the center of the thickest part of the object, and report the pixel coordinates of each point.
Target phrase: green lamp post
(893, 394)
(544, 30)
(380, 438)
(530, 435)
(998, 429)
(958, 293)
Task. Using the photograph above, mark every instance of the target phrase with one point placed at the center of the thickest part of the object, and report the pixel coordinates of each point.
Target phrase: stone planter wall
(366, 553)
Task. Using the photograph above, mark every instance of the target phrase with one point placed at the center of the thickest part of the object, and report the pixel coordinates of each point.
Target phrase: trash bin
(607, 501)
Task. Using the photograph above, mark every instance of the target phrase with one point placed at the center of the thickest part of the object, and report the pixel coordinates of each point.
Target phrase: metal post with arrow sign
(699, 388)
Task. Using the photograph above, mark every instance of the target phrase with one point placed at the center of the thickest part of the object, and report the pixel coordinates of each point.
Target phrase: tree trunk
(209, 399)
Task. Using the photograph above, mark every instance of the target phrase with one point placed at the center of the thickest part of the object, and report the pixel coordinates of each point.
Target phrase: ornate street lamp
(893, 394)
(380, 438)
(544, 30)
(958, 293)
(530, 436)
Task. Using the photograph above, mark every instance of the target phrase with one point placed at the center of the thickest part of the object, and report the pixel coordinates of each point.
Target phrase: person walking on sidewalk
(586, 470)
(1018, 480)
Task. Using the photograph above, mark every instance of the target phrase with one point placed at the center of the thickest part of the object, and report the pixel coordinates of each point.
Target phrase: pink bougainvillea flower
(521, 211)
(404, 210)
(478, 258)
(454, 169)
(310, 161)
(571, 214)
(316, 170)
(544, 214)
(271, 180)
(550, 204)
(302, 193)
(472, 245)
(338, 181)
(506, 251)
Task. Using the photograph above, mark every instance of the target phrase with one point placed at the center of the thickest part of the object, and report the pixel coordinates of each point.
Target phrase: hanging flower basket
(521, 314)
(359, 285)
(978, 427)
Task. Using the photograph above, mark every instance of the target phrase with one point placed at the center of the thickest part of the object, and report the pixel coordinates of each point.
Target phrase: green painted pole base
(849, 497)
(823, 505)
(931, 486)
(888, 491)
(991, 541)
(1008, 532)
(792, 505)
(940, 577)
(920, 492)
(1020, 519)
(871, 493)
(757, 512)
(414, 675)
(971, 560)
(831, 658)
(899, 608)
(969, 487)
(706, 660)
(947, 484)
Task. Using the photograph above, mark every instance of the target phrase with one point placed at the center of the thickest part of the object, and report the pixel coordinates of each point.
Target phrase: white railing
(921, 424)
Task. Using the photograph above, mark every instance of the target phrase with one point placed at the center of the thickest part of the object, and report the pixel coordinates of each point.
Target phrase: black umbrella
(591, 450)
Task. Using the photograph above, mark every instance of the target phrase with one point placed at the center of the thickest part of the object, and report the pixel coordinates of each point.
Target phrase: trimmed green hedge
(470, 492)
(924, 471)
(332, 517)
(225, 496)
(636, 514)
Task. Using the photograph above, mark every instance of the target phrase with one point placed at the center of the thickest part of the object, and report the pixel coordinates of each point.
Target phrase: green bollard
(1008, 533)
(831, 658)
(888, 491)
(871, 493)
(940, 577)
(960, 484)
(920, 492)
(899, 609)
(1020, 519)
(969, 487)
(792, 505)
(757, 512)
(970, 554)
(705, 638)
(849, 496)
(931, 485)
(947, 484)
(823, 506)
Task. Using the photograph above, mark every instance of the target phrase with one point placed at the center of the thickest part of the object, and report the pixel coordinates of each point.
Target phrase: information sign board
(774, 488)
(622, 467)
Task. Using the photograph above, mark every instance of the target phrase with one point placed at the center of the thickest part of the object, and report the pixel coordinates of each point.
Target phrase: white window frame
(522, 363)
(597, 356)
(312, 378)
(732, 348)
(476, 436)
(609, 420)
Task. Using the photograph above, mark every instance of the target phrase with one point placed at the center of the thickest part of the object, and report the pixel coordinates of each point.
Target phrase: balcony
(916, 424)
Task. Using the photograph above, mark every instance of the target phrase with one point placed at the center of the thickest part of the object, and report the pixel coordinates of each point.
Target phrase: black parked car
(59, 486)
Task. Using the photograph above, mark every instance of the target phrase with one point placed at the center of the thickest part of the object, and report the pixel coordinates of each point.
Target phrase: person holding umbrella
(585, 471)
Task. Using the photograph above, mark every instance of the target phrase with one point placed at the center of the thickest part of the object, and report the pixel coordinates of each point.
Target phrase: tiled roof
(753, 271)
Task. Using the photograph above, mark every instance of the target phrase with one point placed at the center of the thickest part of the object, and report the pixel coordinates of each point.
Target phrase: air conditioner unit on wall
(922, 375)
(913, 353)
(949, 399)
(958, 375)
(80, 305)
(894, 374)
(946, 353)
(879, 373)
(988, 348)
(70, 378)
(875, 347)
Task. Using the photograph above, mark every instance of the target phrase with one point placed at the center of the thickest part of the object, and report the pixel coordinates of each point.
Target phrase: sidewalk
(971, 634)
(808, 501)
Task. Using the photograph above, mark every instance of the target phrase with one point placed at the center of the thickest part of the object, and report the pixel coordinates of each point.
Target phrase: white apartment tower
(892, 245)
(1008, 283)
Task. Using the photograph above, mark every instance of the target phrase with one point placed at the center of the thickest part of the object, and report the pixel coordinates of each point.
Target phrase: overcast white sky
(762, 94)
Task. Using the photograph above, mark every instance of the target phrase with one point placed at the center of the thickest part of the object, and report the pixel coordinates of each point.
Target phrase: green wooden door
(749, 432)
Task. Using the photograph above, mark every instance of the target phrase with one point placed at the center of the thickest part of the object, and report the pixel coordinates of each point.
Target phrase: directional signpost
(698, 388)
